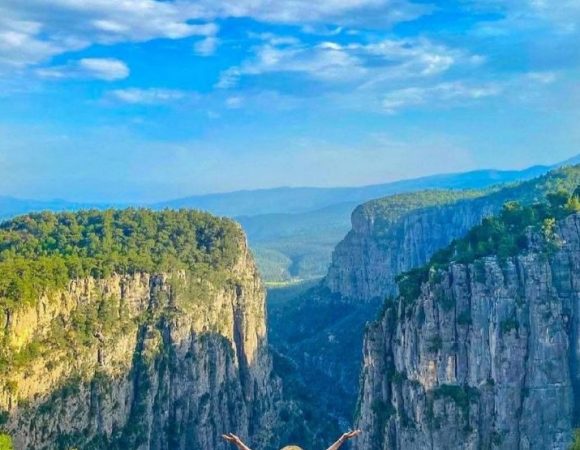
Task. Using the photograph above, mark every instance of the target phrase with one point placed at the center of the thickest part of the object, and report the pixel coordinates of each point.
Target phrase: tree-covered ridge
(45, 250)
(565, 179)
(387, 210)
(504, 236)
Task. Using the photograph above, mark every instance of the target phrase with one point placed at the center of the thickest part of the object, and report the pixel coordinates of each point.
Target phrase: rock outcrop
(487, 356)
(167, 360)
(366, 263)
(388, 238)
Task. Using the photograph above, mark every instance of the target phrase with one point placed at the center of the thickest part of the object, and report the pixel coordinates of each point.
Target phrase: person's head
(292, 447)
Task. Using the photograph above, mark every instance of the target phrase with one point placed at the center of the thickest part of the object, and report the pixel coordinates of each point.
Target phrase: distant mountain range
(294, 230)
(305, 199)
(10, 206)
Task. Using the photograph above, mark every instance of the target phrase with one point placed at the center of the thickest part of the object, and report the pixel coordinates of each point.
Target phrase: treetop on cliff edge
(387, 210)
(44, 250)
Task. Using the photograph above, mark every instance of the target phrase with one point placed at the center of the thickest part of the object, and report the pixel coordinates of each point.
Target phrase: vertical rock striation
(389, 236)
(395, 234)
(365, 264)
(486, 356)
(163, 360)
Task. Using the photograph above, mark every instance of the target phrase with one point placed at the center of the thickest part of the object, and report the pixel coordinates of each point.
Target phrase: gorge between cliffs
(448, 320)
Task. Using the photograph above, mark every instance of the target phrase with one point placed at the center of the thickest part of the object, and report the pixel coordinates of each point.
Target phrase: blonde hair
(292, 447)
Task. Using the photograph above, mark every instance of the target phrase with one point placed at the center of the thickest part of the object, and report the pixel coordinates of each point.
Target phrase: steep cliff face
(160, 360)
(388, 238)
(485, 357)
(366, 263)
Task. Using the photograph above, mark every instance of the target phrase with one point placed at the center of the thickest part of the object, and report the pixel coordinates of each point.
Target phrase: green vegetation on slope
(90, 340)
(504, 235)
(293, 231)
(306, 316)
(40, 252)
(5, 442)
(281, 293)
(296, 239)
(575, 444)
(296, 246)
(321, 334)
(389, 209)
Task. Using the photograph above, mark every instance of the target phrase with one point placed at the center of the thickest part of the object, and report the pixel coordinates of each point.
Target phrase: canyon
(150, 330)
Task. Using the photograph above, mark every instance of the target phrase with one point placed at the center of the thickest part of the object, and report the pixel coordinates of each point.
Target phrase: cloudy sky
(139, 100)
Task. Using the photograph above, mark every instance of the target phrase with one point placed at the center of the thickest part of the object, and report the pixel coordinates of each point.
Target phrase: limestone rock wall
(486, 357)
(174, 361)
(365, 264)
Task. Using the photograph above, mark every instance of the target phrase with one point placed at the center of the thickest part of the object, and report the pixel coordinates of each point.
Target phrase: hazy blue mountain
(304, 199)
(570, 162)
(299, 245)
(10, 206)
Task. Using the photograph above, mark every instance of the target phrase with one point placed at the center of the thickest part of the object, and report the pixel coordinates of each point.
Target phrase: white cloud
(522, 87)
(274, 39)
(336, 12)
(543, 77)
(563, 12)
(146, 96)
(442, 93)
(365, 64)
(563, 16)
(19, 46)
(320, 62)
(234, 102)
(207, 46)
(104, 68)
(253, 101)
(108, 69)
(33, 31)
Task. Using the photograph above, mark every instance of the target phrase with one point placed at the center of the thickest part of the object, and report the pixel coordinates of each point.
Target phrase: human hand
(350, 434)
(232, 438)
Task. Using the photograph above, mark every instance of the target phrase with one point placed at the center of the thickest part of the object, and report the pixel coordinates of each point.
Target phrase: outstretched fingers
(230, 437)
(352, 434)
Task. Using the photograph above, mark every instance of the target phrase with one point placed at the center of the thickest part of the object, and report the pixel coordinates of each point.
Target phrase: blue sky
(143, 100)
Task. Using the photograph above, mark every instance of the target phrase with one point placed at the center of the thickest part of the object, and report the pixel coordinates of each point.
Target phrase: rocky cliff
(485, 355)
(389, 236)
(392, 235)
(366, 263)
(143, 360)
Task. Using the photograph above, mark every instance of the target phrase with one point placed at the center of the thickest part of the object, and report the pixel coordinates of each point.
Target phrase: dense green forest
(293, 231)
(43, 251)
(296, 246)
(504, 235)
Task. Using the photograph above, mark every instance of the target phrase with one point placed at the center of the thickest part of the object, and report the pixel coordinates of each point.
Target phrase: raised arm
(345, 437)
(232, 438)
